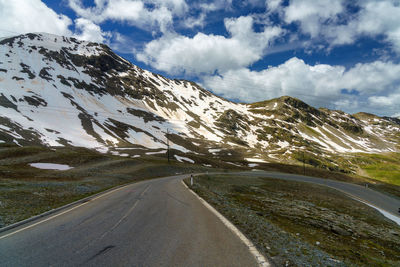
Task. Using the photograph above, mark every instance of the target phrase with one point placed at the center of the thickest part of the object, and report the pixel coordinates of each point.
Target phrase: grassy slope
(302, 224)
(382, 167)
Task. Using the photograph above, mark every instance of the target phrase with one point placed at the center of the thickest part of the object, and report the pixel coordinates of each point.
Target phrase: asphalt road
(370, 196)
(151, 223)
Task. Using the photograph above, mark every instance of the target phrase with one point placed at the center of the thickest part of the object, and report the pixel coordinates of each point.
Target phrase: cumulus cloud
(383, 101)
(381, 17)
(87, 30)
(331, 20)
(207, 6)
(147, 14)
(388, 103)
(21, 16)
(320, 85)
(313, 14)
(273, 5)
(209, 53)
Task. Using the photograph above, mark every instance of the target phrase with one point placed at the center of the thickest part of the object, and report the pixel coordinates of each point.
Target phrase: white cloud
(332, 22)
(371, 78)
(87, 30)
(313, 14)
(381, 17)
(146, 14)
(273, 5)
(192, 22)
(388, 103)
(385, 101)
(203, 53)
(22, 16)
(319, 85)
(294, 78)
(204, 9)
(216, 5)
(122, 10)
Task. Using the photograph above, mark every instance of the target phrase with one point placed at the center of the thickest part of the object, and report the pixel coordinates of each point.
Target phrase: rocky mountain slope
(59, 91)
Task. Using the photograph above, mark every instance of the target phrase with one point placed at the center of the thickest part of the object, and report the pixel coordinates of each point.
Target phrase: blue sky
(330, 53)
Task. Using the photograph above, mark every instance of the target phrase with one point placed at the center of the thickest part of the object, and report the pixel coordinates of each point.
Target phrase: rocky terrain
(59, 91)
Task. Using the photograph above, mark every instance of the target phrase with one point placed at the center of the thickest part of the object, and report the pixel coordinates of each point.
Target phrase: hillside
(58, 91)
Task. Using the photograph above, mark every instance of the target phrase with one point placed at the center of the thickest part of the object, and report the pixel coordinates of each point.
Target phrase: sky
(336, 54)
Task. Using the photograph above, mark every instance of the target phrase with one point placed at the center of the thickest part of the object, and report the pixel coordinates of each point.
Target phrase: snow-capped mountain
(59, 91)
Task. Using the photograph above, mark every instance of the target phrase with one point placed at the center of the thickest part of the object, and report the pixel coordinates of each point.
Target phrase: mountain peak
(283, 103)
(52, 42)
(365, 115)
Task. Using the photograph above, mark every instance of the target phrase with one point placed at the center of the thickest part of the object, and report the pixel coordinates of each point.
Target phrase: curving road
(377, 199)
(151, 223)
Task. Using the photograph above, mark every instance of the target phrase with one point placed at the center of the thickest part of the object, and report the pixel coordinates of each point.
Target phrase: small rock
(335, 260)
(340, 231)
(393, 233)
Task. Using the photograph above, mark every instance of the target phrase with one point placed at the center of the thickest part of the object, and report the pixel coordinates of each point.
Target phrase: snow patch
(256, 160)
(50, 166)
(283, 144)
(156, 152)
(181, 159)
(234, 164)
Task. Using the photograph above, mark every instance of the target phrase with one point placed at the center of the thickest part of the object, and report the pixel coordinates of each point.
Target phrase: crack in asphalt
(176, 199)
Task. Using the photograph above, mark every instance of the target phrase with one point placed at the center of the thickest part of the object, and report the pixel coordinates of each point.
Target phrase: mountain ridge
(109, 104)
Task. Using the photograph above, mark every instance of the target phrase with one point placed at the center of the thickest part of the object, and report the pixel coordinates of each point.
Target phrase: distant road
(370, 196)
(151, 223)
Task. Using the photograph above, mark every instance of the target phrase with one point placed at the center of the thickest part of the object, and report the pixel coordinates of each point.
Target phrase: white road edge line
(384, 212)
(59, 214)
(261, 260)
(391, 216)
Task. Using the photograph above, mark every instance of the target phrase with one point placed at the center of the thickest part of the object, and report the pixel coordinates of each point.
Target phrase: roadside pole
(304, 164)
(168, 145)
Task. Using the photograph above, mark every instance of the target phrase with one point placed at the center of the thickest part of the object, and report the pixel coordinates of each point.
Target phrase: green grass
(286, 220)
(381, 167)
(386, 172)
